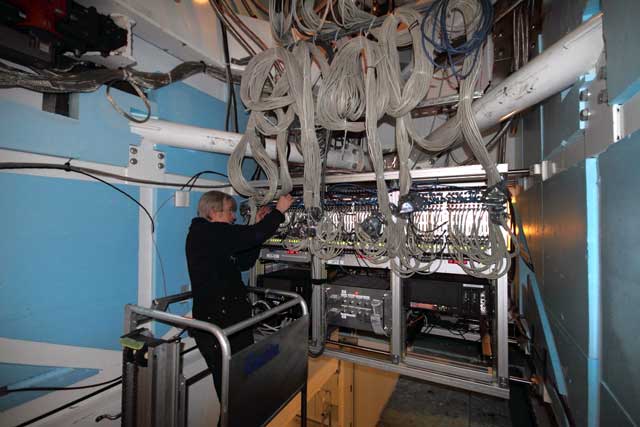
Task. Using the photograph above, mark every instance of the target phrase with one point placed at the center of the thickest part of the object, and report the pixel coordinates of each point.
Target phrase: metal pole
(318, 274)
(397, 318)
(217, 141)
(303, 406)
(450, 174)
(224, 393)
(502, 310)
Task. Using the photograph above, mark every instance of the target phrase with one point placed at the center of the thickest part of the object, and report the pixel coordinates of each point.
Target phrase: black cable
(231, 96)
(23, 389)
(195, 178)
(190, 184)
(441, 41)
(30, 165)
(129, 196)
(164, 276)
(68, 405)
(52, 81)
(83, 398)
(83, 171)
(68, 168)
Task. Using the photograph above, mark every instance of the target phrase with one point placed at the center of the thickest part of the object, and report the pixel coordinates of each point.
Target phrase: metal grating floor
(415, 404)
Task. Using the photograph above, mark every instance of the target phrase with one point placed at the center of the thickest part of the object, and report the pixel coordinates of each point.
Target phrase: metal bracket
(548, 169)
(139, 319)
(598, 121)
(145, 162)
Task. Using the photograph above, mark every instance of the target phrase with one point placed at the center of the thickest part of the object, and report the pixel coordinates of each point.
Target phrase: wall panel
(565, 246)
(623, 48)
(619, 205)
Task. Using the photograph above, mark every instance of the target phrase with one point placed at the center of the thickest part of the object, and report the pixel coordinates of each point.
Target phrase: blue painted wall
(69, 263)
(100, 134)
(70, 248)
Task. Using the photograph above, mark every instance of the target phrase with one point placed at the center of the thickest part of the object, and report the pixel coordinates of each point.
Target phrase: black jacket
(216, 254)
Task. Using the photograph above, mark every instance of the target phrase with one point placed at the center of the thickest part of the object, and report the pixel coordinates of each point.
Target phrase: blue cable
(437, 11)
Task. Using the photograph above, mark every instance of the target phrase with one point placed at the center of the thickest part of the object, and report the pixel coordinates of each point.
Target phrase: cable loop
(140, 93)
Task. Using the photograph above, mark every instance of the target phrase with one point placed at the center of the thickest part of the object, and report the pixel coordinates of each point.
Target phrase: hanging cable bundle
(281, 20)
(267, 117)
(351, 15)
(404, 96)
(438, 31)
(304, 107)
(364, 83)
(341, 95)
(309, 22)
(291, 96)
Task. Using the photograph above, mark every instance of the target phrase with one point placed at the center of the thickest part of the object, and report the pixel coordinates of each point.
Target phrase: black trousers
(228, 312)
(210, 350)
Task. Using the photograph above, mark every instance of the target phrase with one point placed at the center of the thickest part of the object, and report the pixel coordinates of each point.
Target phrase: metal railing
(134, 315)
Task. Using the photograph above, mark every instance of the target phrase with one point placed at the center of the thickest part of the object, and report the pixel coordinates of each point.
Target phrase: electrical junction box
(181, 199)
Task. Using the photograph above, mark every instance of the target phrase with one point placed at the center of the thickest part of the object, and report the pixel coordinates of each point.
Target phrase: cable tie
(205, 66)
(67, 165)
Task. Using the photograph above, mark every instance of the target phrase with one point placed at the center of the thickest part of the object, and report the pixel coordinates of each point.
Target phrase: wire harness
(294, 85)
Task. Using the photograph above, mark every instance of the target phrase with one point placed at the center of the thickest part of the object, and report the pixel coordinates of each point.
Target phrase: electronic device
(451, 294)
(290, 280)
(58, 32)
(359, 302)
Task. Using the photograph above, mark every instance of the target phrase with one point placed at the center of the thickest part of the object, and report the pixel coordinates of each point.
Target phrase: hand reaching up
(262, 212)
(284, 202)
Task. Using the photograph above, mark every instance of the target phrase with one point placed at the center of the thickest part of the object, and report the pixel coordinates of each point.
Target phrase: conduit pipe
(555, 69)
(216, 141)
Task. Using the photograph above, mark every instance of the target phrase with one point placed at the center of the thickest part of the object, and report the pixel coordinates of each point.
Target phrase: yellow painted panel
(372, 390)
(321, 369)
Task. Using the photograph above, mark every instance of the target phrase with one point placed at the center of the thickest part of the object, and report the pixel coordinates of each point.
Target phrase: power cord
(190, 183)
(68, 168)
(5, 390)
(442, 41)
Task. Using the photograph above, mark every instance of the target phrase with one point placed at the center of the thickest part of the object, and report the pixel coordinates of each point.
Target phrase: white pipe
(217, 141)
(555, 69)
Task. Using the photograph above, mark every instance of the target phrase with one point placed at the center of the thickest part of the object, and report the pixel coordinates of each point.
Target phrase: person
(217, 251)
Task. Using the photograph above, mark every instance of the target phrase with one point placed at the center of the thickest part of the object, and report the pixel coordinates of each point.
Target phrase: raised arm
(241, 238)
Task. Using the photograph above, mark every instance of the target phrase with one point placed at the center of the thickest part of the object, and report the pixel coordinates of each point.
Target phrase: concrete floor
(415, 404)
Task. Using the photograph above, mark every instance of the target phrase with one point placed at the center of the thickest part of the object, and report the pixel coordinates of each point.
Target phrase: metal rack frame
(495, 383)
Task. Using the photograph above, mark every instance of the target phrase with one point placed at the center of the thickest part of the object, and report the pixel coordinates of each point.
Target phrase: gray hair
(213, 201)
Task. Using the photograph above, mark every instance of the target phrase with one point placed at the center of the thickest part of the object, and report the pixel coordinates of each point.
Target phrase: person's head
(217, 206)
